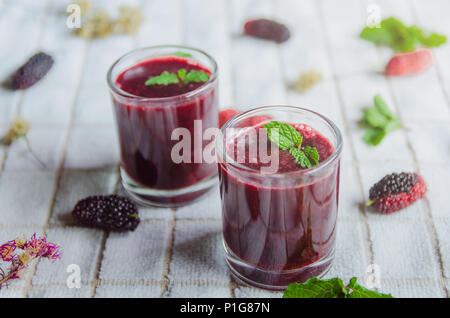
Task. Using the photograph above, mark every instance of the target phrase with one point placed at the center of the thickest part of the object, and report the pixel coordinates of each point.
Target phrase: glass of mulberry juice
(155, 91)
(279, 220)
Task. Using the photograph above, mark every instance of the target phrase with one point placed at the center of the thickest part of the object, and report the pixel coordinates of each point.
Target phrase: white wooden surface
(178, 252)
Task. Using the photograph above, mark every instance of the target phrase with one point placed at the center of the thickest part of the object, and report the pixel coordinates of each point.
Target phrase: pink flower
(39, 247)
(34, 248)
(7, 251)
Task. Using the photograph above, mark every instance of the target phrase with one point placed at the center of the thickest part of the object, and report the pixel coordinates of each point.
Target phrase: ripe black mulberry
(267, 29)
(32, 71)
(112, 212)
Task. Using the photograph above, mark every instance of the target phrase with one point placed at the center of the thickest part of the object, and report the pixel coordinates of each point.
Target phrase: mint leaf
(312, 154)
(181, 54)
(316, 288)
(381, 121)
(376, 35)
(431, 40)
(330, 288)
(165, 78)
(284, 135)
(374, 136)
(374, 118)
(300, 157)
(401, 38)
(391, 32)
(196, 76)
(357, 291)
(288, 138)
(392, 125)
(182, 73)
(382, 107)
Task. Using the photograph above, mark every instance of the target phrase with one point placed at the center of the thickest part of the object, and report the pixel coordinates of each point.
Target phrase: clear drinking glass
(145, 126)
(280, 227)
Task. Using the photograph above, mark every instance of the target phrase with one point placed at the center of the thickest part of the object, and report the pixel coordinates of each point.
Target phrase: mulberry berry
(267, 29)
(113, 212)
(396, 191)
(32, 71)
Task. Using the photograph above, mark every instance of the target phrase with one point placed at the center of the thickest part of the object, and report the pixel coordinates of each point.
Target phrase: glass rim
(301, 172)
(119, 91)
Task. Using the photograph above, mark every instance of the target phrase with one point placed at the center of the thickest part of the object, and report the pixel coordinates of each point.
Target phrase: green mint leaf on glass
(300, 157)
(181, 54)
(182, 73)
(380, 121)
(181, 77)
(196, 77)
(284, 135)
(401, 38)
(288, 138)
(330, 288)
(312, 154)
(165, 78)
(316, 288)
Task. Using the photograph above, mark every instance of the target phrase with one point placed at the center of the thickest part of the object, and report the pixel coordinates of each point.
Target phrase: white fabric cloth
(179, 253)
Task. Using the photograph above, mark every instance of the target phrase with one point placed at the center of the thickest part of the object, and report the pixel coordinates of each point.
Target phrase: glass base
(276, 280)
(166, 198)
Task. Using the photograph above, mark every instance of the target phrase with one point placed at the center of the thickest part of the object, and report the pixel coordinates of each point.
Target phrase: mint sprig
(196, 77)
(379, 121)
(312, 154)
(283, 134)
(316, 288)
(354, 290)
(165, 78)
(181, 77)
(432, 39)
(288, 138)
(181, 54)
(401, 38)
(330, 288)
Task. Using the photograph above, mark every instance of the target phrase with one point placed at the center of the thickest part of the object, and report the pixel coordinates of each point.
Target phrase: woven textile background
(178, 253)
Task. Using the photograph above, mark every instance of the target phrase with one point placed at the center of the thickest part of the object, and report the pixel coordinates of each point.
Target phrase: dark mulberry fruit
(396, 191)
(267, 29)
(32, 71)
(112, 212)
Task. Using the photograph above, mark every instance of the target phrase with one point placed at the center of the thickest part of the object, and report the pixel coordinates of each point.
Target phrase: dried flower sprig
(19, 128)
(85, 6)
(97, 23)
(307, 80)
(129, 20)
(20, 252)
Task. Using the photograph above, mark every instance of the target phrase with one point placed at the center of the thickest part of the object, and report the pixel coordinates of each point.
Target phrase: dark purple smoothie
(277, 226)
(147, 121)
